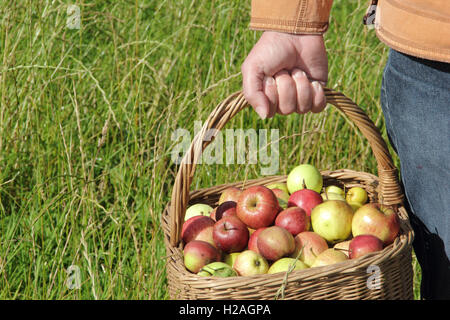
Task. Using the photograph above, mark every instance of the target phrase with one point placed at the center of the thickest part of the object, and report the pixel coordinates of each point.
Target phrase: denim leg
(415, 98)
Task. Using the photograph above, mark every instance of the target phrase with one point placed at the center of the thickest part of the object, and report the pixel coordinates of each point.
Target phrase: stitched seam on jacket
(411, 44)
(291, 23)
(403, 7)
(420, 52)
(301, 11)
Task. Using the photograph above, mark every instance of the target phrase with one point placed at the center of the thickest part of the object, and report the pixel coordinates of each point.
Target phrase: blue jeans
(415, 98)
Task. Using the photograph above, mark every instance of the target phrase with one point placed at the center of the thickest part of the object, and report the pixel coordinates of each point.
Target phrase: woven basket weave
(346, 280)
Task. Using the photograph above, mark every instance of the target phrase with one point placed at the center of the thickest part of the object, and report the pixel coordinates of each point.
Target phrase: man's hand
(284, 73)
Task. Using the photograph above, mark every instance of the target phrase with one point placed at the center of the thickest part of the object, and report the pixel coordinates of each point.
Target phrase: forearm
(291, 16)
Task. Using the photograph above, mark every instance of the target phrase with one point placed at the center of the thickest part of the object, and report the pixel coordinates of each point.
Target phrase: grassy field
(86, 123)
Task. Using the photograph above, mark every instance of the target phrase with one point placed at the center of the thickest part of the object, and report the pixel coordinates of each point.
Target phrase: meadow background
(86, 123)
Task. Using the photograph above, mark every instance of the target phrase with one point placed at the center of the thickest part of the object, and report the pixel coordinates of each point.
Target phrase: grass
(86, 123)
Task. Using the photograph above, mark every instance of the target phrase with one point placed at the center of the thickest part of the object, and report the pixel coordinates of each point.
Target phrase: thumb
(253, 90)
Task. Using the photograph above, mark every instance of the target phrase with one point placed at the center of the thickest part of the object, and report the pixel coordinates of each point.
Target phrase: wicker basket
(345, 280)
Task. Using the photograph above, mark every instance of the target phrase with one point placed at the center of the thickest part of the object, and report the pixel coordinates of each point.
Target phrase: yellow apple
(284, 264)
(356, 194)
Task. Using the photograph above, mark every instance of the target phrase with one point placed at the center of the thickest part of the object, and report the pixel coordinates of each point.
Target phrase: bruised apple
(309, 245)
(275, 242)
(198, 254)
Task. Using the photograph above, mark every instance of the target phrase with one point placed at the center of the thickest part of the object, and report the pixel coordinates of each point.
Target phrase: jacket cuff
(291, 16)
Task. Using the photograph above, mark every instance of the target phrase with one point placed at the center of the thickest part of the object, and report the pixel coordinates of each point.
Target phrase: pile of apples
(284, 226)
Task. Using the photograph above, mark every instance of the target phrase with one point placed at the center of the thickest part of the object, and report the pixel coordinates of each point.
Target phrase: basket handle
(389, 190)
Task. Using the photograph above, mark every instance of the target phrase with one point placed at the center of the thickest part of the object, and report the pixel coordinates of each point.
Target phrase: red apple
(378, 220)
(198, 228)
(364, 244)
(253, 241)
(230, 234)
(306, 199)
(275, 242)
(230, 194)
(294, 220)
(282, 197)
(257, 207)
(227, 208)
(309, 244)
(198, 254)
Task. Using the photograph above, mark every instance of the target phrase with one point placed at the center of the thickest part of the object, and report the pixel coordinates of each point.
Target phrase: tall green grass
(86, 123)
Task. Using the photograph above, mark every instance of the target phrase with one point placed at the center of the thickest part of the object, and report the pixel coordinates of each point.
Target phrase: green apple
(335, 189)
(355, 205)
(304, 176)
(230, 258)
(250, 263)
(332, 220)
(284, 264)
(198, 209)
(332, 196)
(278, 185)
(217, 269)
(356, 194)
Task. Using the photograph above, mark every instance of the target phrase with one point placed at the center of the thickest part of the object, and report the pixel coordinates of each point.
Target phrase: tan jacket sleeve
(291, 16)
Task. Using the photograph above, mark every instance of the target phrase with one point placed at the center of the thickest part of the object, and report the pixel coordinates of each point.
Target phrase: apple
(332, 196)
(378, 220)
(230, 258)
(294, 220)
(304, 176)
(278, 185)
(275, 242)
(198, 228)
(198, 209)
(286, 264)
(305, 199)
(229, 194)
(199, 253)
(217, 269)
(364, 244)
(332, 220)
(343, 246)
(329, 256)
(230, 234)
(227, 208)
(249, 263)
(282, 197)
(355, 205)
(356, 194)
(335, 189)
(309, 245)
(257, 207)
(253, 241)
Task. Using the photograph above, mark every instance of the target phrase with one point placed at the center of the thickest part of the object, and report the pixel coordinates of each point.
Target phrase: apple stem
(304, 184)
